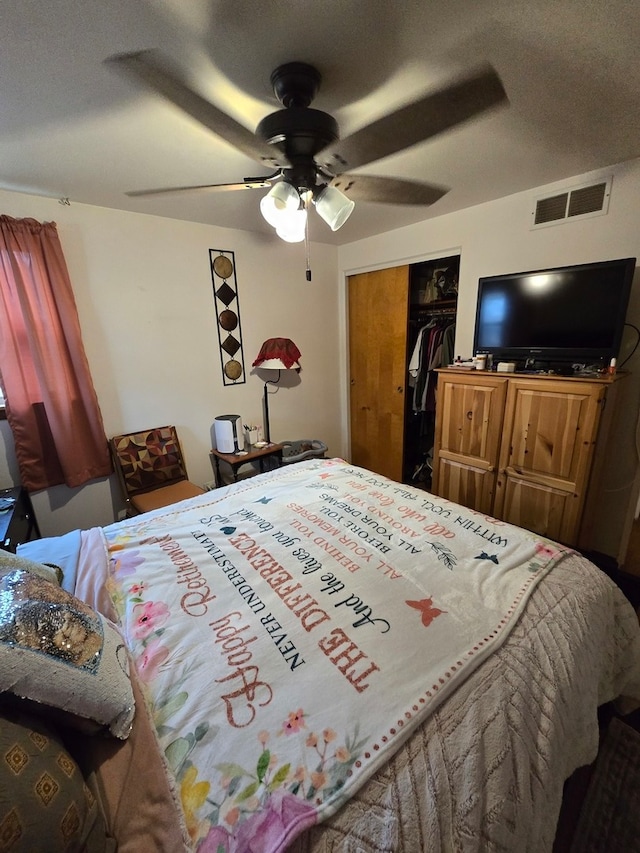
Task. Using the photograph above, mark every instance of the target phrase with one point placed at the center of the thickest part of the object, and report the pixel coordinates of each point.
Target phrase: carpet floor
(609, 820)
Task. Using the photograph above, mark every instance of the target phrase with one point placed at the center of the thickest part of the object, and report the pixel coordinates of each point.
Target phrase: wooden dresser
(522, 447)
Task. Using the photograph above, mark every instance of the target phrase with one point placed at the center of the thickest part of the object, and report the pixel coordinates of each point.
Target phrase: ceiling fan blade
(416, 122)
(248, 184)
(387, 190)
(150, 68)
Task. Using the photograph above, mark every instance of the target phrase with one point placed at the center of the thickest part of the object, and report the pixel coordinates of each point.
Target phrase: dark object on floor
(610, 817)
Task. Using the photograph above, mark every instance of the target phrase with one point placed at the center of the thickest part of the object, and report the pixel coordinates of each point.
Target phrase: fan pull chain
(306, 241)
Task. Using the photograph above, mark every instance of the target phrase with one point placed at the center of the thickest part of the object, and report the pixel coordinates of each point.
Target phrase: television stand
(507, 455)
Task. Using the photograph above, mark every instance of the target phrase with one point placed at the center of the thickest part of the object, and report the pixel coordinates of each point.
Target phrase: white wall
(496, 238)
(145, 299)
(144, 294)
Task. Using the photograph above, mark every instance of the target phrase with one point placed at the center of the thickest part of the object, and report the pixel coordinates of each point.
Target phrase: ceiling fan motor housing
(304, 130)
(298, 131)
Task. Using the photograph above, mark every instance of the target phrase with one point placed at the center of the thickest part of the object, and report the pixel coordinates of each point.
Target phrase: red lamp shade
(278, 354)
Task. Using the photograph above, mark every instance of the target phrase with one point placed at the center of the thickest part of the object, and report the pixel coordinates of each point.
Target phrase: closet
(391, 312)
(433, 298)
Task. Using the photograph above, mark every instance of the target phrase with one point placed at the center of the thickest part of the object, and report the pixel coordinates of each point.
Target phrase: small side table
(18, 522)
(235, 460)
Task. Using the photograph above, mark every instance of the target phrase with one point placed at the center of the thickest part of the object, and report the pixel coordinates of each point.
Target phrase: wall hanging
(227, 303)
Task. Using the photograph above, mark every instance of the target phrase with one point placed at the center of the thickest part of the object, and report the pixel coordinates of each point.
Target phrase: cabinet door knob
(469, 416)
(399, 389)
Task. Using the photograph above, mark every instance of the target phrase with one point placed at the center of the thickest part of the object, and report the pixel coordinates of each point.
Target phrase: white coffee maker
(229, 435)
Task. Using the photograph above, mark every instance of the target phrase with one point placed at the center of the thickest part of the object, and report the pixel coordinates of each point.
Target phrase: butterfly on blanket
(483, 556)
(427, 611)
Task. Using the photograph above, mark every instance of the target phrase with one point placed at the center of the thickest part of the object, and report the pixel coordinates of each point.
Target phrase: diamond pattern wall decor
(227, 303)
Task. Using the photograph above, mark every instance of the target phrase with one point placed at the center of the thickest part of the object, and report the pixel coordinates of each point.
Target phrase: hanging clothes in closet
(433, 349)
(433, 298)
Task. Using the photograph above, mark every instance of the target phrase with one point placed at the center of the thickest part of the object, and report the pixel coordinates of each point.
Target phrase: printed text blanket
(292, 631)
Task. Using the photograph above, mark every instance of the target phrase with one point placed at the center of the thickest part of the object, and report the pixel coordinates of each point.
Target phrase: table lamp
(276, 354)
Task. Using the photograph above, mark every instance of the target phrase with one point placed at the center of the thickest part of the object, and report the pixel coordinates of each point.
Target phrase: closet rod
(434, 312)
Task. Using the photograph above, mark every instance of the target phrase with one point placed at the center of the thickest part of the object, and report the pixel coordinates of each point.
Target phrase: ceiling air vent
(576, 203)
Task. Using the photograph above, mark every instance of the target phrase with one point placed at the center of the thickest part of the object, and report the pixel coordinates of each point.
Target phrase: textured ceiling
(71, 127)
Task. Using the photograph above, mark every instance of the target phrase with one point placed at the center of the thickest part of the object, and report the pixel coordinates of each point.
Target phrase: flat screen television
(554, 318)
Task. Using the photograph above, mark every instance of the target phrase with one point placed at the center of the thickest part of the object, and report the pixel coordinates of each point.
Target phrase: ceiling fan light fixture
(281, 200)
(292, 226)
(303, 144)
(333, 206)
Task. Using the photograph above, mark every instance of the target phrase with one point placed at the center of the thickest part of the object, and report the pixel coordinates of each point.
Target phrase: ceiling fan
(302, 146)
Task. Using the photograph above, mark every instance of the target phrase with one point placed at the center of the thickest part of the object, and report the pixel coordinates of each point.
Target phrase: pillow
(58, 651)
(45, 803)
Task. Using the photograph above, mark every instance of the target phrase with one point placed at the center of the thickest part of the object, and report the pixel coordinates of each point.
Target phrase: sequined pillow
(58, 651)
(9, 561)
(45, 803)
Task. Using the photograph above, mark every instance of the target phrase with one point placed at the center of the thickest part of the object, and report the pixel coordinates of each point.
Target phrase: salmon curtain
(51, 406)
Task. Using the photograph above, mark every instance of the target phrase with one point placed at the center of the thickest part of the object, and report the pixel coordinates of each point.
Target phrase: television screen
(562, 315)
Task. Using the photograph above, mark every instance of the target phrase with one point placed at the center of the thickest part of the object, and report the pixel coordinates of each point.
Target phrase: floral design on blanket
(292, 634)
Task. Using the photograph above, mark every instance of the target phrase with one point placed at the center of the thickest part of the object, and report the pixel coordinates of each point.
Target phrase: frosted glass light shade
(291, 226)
(334, 207)
(280, 199)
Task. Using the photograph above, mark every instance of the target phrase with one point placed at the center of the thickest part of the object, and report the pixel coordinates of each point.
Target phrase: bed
(320, 659)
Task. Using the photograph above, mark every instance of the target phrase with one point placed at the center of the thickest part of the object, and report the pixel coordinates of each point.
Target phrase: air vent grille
(551, 209)
(587, 200)
(577, 202)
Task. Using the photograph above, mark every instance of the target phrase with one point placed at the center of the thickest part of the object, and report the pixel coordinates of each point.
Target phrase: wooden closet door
(378, 305)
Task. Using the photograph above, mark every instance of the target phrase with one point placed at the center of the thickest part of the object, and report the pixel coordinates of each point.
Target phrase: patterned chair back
(148, 460)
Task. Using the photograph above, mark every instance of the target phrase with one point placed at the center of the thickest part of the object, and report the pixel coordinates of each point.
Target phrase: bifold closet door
(378, 306)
